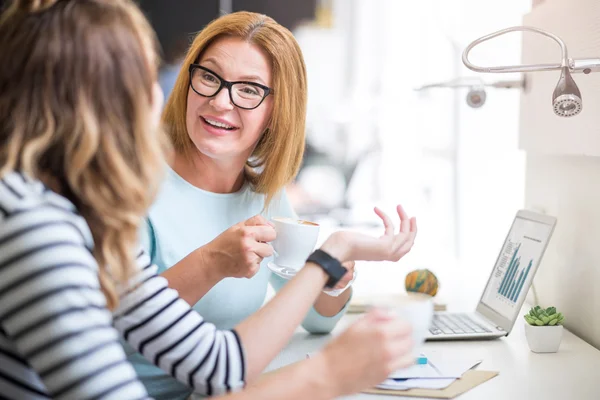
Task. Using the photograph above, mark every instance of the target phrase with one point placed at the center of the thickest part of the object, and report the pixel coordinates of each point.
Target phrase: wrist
(317, 273)
(323, 371)
(206, 262)
(330, 265)
(338, 246)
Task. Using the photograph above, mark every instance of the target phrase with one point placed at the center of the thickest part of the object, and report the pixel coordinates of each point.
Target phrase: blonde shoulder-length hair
(77, 90)
(278, 154)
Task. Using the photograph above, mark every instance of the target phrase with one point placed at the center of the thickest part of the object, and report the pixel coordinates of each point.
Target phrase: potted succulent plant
(543, 329)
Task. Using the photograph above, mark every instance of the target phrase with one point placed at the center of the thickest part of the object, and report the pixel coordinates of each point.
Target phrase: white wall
(563, 170)
(459, 170)
(569, 276)
(491, 168)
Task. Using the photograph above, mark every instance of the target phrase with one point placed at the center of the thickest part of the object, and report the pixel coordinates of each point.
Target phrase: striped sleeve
(170, 334)
(52, 310)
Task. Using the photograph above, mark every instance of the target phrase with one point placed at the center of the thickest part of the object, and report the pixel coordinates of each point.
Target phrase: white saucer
(289, 273)
(284, 272)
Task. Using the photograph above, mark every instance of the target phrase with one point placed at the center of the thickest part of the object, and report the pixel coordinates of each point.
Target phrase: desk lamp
(566, 99)
(476, 96)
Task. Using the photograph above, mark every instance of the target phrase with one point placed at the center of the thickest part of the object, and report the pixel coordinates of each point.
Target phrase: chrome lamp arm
(585, 65)
(566, 99)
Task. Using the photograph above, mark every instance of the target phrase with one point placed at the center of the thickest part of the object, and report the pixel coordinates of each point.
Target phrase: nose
(221, 101)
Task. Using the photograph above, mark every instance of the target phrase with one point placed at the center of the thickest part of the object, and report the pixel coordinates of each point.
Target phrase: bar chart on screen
(512, 271)
(514, 276)
(516, 266)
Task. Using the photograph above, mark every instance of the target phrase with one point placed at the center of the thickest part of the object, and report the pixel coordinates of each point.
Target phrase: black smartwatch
(330, 265)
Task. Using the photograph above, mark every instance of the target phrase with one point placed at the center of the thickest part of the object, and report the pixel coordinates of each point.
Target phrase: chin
(219, 148)
(213, 151)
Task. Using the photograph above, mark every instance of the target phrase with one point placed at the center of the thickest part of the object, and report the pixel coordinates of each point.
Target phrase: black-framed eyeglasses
(245, 95)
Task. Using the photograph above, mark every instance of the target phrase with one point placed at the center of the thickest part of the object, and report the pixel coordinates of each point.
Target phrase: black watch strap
(330, 265)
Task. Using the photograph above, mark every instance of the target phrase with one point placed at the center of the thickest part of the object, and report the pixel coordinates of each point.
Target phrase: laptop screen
(516, 266)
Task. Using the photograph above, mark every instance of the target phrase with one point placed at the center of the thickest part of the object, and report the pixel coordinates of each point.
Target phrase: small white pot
(543, 339)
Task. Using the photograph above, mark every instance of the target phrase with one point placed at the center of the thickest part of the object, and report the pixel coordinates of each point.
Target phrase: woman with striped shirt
(80, 162)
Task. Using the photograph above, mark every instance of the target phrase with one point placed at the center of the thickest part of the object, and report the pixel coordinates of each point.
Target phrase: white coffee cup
(415, 309)
(295, 241)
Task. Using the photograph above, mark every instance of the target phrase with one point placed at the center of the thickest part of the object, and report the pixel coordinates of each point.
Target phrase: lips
(217, 126)
(218, 123)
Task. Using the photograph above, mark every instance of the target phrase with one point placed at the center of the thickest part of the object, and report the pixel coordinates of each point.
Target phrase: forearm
(308, 379)
(314, 322)
(288, 308)
(192, 277)
(328, 306)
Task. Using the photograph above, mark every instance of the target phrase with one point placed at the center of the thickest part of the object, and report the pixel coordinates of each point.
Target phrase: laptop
(507, 286)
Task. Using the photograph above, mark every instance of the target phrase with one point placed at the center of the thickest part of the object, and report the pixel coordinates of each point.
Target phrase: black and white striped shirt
(57, 338)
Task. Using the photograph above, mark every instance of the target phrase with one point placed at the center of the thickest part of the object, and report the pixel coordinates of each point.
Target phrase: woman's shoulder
(28, 206)
(280, 206)
(44, 244)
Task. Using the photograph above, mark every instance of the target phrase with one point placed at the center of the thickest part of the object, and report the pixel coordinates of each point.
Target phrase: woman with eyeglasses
(80, 162)
(236, 117)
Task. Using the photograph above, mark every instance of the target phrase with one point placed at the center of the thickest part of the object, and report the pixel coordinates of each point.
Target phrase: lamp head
(566, 99)
(476, 97)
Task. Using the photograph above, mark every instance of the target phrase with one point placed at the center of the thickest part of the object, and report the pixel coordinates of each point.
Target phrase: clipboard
(467, 381)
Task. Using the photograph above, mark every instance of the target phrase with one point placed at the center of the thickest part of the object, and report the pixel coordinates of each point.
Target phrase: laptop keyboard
(454, 324)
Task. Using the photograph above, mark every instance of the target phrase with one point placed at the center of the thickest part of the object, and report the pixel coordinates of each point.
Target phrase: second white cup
(414, 308)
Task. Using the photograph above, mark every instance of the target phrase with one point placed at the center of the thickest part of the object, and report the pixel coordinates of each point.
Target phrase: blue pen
(421, 360)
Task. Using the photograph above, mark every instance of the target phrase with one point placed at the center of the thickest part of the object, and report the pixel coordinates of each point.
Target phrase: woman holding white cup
(236, 117)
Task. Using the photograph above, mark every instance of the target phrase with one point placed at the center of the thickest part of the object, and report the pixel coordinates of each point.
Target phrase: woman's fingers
(253, 269)
(349, 265)
(257, 220)
(413, 229)
(410, 238)
(404, 219)
(387, 221)
(263, 250)
(391, 246)
(405, 248)
(344, 280)
(403, 241)
(260, 233)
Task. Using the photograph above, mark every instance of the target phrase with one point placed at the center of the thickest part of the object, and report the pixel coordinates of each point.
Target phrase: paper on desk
(428, 376)
(468, 381)
(406, 384)
(434, 369)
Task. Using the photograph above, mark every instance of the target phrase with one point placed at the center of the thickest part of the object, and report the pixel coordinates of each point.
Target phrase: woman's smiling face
(219, 129)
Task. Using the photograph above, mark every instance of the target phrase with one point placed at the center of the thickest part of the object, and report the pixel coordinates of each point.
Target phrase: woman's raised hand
(391, 246)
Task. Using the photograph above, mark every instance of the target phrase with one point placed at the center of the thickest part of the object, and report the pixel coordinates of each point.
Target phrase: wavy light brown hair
(278, 154)
(77, 79)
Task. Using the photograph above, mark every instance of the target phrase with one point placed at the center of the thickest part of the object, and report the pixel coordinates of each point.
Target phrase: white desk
(572, 373)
